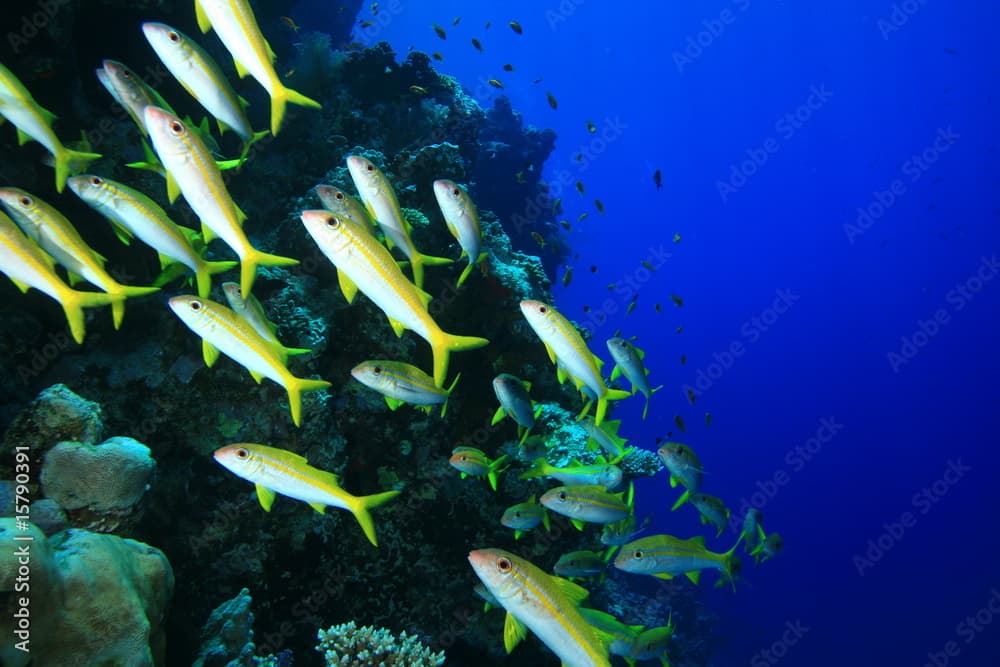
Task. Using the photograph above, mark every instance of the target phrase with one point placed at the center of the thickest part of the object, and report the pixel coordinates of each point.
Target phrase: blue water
(823, 109)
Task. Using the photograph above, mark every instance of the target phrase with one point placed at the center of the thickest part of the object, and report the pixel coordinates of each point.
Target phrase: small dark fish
(659, 308)
(495, 84)
(538, 80)
(679, 329)
(586, 309)
(591, 127)
(649, 266)
(555, 206)
(476, 43)
(568, 276)
(578, 157)
(658, 179)
(519, 177)
(680, 423)
(593, 268)
(367, 24)
(437, 56)
(677, 238)
(487, 26)
(708, 419)
(456, 20)
(565, 224)
(676, 299)
(612, 286)
(374, 7)
(287, 20)
(684, 359)
(950, 52)
(692, 397)
(553, 102)
(538, 239)
(418, 90)
(508, 67)
(631, 307)
(579, 187)
(440, 31)
(582, 217)
(516, 27)
(599, 205)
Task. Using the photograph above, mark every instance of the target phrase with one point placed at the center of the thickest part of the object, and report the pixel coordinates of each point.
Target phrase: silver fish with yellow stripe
(250, 309)
(223, 330)
(628, 361)
(666, 556)
(462, 220)
(275, 470)
(400, 383)
(345, 206)
(588, 503)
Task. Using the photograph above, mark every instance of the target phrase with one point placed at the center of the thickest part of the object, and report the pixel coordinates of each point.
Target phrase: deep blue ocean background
(843, 99)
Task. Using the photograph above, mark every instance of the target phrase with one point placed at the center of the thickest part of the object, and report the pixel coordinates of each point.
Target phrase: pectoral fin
(265, 496)
(209, 352)
(513, 632)
(347, 286)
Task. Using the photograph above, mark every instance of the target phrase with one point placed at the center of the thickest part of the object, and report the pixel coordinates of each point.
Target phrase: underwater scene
(491, 333)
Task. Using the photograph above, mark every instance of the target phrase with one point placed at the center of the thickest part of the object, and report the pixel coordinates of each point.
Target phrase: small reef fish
(712, 510)
(579, 564)
(590, 503)
(658, 179)
(621, 532)
(33, 122)
(599, 205)
(477, 45)
(628, 361)
(130, 91)
(345, 206)
(567, 349)
(274, 471)
(193, 172)
(679, 421)
(515, 403)
(552, 100)
(684, 468)
(380, 200)
(545, 604)
(568, 276)
(665, 556)
(516, 27)
(364, 264)
(508, 67)
(475, 462)
(591, 127)
(418, 90)
(768, 548)
(290, 22)
(621, 637)
(222, 330)
(27, 265)
(539, 239)
(652, 644)
(437, 56)
(250, 309)
(708, 419)
(439, 31)
(677, 238)
(202, 78)
(131, 213)
(525, 516)
(602, 473)
(606, 437)
(462, 219)
(403, 383)
(496, 83)
(235, 24)
(50, 229)
(678, 301)
(753, 528)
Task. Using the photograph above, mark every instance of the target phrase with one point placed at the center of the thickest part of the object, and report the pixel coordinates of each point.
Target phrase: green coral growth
(347, 645)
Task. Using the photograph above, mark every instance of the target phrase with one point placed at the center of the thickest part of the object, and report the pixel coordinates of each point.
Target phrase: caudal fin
(417, 263)
(539, 468)
(203, 276)
(117, 300)
(69, 161)
(73, 303)
(281, 97)
(295, 386)
(255, 258)
(360, 506)
(443, 344)
(602, 403)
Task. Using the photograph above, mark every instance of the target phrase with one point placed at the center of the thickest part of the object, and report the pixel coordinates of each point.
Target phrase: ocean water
(819, 269)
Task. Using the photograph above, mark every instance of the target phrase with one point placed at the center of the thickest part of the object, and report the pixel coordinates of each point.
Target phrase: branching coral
(347, 645)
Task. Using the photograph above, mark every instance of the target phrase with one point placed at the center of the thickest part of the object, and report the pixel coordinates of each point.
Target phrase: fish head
(368, 179)
(332, 198)
(168, 132)
(24, 209)
(559, 500)
(633, 558)
(169, 44)
(677, 457)
(240, 459)
(520, 517)
(540, 316)
(234, 295)
(373, 374)
(195, 312)
(331, 231)
(130, 90)
(469, 461)
(450, 197)
(610, 477)
(499, 571)
(92, 189)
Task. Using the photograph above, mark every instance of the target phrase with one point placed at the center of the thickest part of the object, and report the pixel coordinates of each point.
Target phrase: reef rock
(55, 415)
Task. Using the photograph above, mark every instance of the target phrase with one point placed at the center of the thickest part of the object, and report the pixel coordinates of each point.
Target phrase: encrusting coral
(347, 645)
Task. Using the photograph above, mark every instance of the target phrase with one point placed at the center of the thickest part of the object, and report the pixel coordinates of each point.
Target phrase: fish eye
(503, 564)
(339, 196)
(370, 167)
(96, 180)
(126, 73)
(25, 201)
(637, 554)
(332, 222)
(196, 305)
(177, 127)
(543, 310)
(173, 37)
(455, 192)
(562, 495)
(242, 453)
(517, 515)
(377, 370)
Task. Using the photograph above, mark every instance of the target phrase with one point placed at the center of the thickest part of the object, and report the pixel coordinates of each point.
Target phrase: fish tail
(360, 506)
(248, 144)
(254, 258)
(295, 386)
(686, 496)
(602, 403)
(443, 344)
(419, 260)
(731, 565)
(70, 161)
(444, 406)
(117, 299)
(539, 468)
(73, 302)
(281, 97)
(203, 276)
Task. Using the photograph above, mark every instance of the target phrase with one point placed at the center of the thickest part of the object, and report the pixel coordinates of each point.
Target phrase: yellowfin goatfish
(402, 383)
(515, 403)
(34, 122)
(29, 266)
(579, 564)
(543, 603)
(602, 473)
(711, 509)
(589, 503)
(345, 206)
(665, 556)
(652, 644)
(622, 637)
(191, 167)
(768, 548)
(472, 461)
(130, 91)
(684, 468)
(525, 516)
(275, 470)
(201, 77)
(364, 264)
(57, 236)
(249, 308)
(223, 330)
(628, 361)
(462, 219)
(131, 213)
(380, 200)
(567, 349)
(235, 24)
(753, 528)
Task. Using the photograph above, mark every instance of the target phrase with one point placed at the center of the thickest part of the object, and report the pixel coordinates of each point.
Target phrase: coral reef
(227, 637)
(107, 478)
(95, 599)
(347, 645)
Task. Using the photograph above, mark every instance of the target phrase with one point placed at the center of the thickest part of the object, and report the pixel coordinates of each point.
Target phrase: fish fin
(209, 352)
(23, 137)
(574, 592)
(443, 344)
(513, 632)
(203, 276)
(23, 286)
(561, 374)
(539, 468)
(645, 409)
(281, 97)
(518, 534)
(463, 475)
(546, 521)
(578, 523)
(247, 145)
(360, 506)
(204, 24)
(523, 434)
(397, 327)
(265, 496)
(69, 162)
(683, 499)
(698, 541)
(254, 258)
(602, 403)
(295, 386)
(173, 191)
(73, 303)
(347, 287)
(319, 507)
(497, 416)
(225, 165)
(598, 361)
(616, 372)
(444, 406)
(241, 71)
(537, 412)
(393, 403)
(551, 353)
(673, 482)
(258, 378)
(694, 576)
(663, 575)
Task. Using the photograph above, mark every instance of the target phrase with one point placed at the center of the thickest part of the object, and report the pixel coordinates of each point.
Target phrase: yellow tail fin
(443, 344)
(419, 261)
(203, 276)
(255, 258)
(117, 300)
(73, 303)
(360, 505)
(602, 403)
(281, 97)
(69, 161)
(295, 386)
